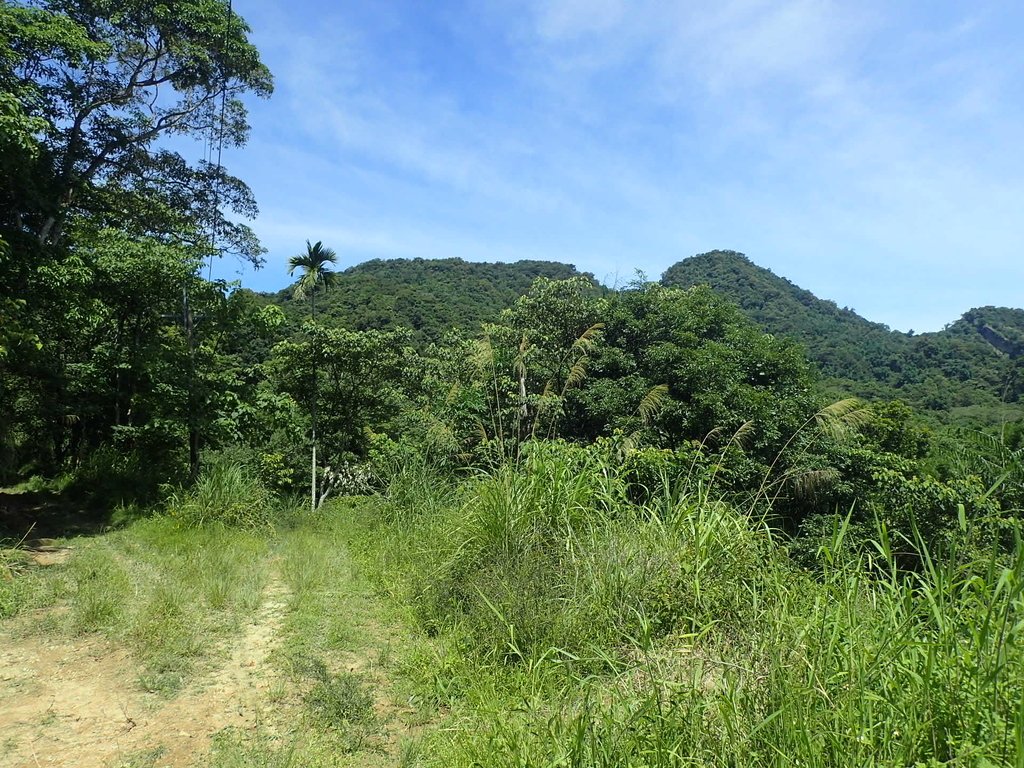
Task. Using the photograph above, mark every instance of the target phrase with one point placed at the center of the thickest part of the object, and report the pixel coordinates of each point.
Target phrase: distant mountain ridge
(971, 365)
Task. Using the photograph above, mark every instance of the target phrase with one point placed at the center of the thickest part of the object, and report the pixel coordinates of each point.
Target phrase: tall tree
(110, 78)
(315, 271)
(88, 90)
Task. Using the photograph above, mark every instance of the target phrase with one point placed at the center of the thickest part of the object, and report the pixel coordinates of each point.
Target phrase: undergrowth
(224, 494)
(570, 626)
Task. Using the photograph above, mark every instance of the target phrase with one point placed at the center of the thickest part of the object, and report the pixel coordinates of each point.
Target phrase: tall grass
(574, 628)
(224, 494)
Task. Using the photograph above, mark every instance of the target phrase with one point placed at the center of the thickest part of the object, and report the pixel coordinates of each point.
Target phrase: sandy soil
(75, 703)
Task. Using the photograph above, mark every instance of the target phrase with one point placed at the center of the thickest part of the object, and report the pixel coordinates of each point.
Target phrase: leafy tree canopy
(102, 82)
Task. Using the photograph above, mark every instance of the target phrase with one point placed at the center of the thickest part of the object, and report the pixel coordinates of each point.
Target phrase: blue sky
(872, 152)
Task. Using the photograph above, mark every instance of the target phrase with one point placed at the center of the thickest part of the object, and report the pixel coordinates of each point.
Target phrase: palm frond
(314, 265)
(328, 278)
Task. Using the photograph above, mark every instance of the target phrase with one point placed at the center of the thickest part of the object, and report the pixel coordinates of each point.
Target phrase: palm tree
(314, 265)
(315, 271)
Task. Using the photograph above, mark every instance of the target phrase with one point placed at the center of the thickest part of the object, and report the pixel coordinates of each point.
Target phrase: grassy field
(251, 645)
(536, 616)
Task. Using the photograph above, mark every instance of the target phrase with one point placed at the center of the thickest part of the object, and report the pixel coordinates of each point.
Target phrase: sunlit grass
(541, 617)
(168, 593)
(573, 628)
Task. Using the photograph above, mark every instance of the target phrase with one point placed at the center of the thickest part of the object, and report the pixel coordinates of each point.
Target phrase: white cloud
(811, 134)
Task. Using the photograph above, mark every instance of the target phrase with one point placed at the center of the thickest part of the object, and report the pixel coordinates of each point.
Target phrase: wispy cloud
(821, 137)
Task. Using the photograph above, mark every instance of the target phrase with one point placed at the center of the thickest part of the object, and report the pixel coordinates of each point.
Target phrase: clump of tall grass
(225, 494)
(550, 553)
(849, 670)
(577, 628)
(412, 485)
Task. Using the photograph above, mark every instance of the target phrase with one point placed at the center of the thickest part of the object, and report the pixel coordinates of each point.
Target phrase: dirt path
(75, 702)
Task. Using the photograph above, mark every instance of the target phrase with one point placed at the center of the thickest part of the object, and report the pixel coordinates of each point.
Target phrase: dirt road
(76, 702)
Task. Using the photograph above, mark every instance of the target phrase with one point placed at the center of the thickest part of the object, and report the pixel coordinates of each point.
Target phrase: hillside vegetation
(428, 296)
(966, 373)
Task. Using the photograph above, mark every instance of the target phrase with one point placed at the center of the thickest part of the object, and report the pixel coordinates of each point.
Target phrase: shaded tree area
(110, 334)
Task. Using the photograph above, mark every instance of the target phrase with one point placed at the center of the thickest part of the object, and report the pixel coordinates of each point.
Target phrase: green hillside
(430, 296)
(970, 372)
(966, 372)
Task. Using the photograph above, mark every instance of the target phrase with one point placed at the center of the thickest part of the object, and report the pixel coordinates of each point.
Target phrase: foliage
(538, 352)
(719, 370)
(315, 270)
(574, 627)
(967, 372)
(110, 337)
(225, 494)
(358, 374)
(336, 700)
(427, 296)
(108, 80)
(637, 517)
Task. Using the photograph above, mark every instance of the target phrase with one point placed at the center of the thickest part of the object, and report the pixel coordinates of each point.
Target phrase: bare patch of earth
(46, 552)
(76, 702)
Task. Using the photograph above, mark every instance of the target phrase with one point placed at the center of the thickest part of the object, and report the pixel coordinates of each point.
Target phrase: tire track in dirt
(75, 702)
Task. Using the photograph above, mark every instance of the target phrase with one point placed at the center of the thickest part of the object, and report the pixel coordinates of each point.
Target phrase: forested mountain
(969, 371)
(429, 296)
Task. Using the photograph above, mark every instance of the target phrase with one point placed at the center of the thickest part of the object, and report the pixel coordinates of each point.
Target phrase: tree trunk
(193, 432)
(312, 474)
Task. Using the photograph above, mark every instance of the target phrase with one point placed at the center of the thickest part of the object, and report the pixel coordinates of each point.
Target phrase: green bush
(123, 474)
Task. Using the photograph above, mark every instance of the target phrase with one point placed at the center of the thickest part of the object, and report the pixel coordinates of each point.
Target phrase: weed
(410, 753)
(337, 699)
(146, 758)
(231, 749)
